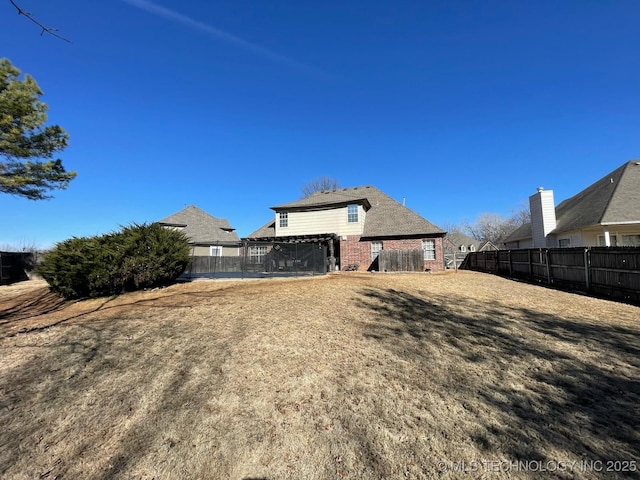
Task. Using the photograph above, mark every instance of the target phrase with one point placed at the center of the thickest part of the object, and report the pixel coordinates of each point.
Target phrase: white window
(352, 213)
(257, 254)
(631, 240)
(564, 242)
(613, 241)
(375, 250)
(463, 248)
(215, 251)
(472, 248)
(429, 249)
(284, 219)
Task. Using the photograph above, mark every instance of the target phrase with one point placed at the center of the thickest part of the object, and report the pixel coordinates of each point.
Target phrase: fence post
(244, 258)
(548, 258)
(587, 268)
(530, 264)
(510, 263)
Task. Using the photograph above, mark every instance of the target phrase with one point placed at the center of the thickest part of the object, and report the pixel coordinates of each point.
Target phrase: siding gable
(328, 220)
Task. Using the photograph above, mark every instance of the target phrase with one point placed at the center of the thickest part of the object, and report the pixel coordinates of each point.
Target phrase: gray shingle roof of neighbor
(201, 227)
(458, 239)
(523, 232)
(385, 216)
(266, 231)
(615, 198)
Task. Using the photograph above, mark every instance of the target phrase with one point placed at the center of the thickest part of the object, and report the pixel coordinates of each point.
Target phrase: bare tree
(21, 246)
(319, 184)
(45, 29)
(521, 216)
(495, 227)
(451, 227)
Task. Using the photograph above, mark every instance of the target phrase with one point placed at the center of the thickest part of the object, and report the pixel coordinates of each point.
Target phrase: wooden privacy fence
(14, 266)
(401, 261)
(606, 271)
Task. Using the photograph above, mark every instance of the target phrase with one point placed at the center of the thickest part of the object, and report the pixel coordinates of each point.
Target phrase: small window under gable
(284, 219)
(463, 248)
(352, 213)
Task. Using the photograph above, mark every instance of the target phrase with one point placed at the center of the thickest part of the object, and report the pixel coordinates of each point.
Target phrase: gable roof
(523, 232)
(268, 230)
(201, 227)
(385, 216)
(615, 198)
(457, 239)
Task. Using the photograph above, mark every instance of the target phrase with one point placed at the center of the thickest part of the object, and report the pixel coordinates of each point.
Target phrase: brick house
(355, 224)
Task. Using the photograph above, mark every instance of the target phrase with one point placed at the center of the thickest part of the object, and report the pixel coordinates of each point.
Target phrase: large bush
(137, 257)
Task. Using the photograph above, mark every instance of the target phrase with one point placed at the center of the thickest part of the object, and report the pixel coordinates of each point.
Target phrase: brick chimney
(543, 216)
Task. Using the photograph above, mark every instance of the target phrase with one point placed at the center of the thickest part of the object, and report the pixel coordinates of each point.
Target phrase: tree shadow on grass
(29, 304)
(142, 382)
(22, 313)
(551, 383)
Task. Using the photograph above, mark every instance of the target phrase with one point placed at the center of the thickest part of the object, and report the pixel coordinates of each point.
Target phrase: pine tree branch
(45, 29)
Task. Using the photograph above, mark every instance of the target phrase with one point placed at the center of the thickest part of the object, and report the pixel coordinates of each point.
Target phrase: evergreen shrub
(137, 257)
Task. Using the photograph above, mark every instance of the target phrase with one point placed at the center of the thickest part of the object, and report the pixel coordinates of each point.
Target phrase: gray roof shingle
(523, 232)
(615, 198)
(457, 239)
(268, 230)
(201, 227)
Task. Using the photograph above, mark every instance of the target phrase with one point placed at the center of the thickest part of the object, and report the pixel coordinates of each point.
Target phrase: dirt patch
(345, 376)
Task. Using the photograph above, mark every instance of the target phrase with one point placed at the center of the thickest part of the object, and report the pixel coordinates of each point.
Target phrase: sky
(459, 108)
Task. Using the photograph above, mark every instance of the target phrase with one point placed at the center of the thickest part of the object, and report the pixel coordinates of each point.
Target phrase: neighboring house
(208, 236)
(606, 213)
(355, 224)
(457, 245)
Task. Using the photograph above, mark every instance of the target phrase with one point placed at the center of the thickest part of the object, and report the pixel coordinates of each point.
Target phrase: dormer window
(463, 248)
(472, 248)
(352, 213)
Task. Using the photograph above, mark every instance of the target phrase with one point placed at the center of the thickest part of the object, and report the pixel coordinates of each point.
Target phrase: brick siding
(354, 250)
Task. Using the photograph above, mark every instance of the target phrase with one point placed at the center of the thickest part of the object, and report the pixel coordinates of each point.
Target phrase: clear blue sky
(460, 107)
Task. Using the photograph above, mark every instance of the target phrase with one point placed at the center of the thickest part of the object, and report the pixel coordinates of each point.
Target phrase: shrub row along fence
(260, 260)
(14, 266)
(604, 271)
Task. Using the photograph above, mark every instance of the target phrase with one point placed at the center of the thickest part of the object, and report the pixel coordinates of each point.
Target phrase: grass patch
(346, 376)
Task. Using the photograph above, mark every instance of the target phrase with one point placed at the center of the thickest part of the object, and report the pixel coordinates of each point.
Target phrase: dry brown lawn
(360, 376)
